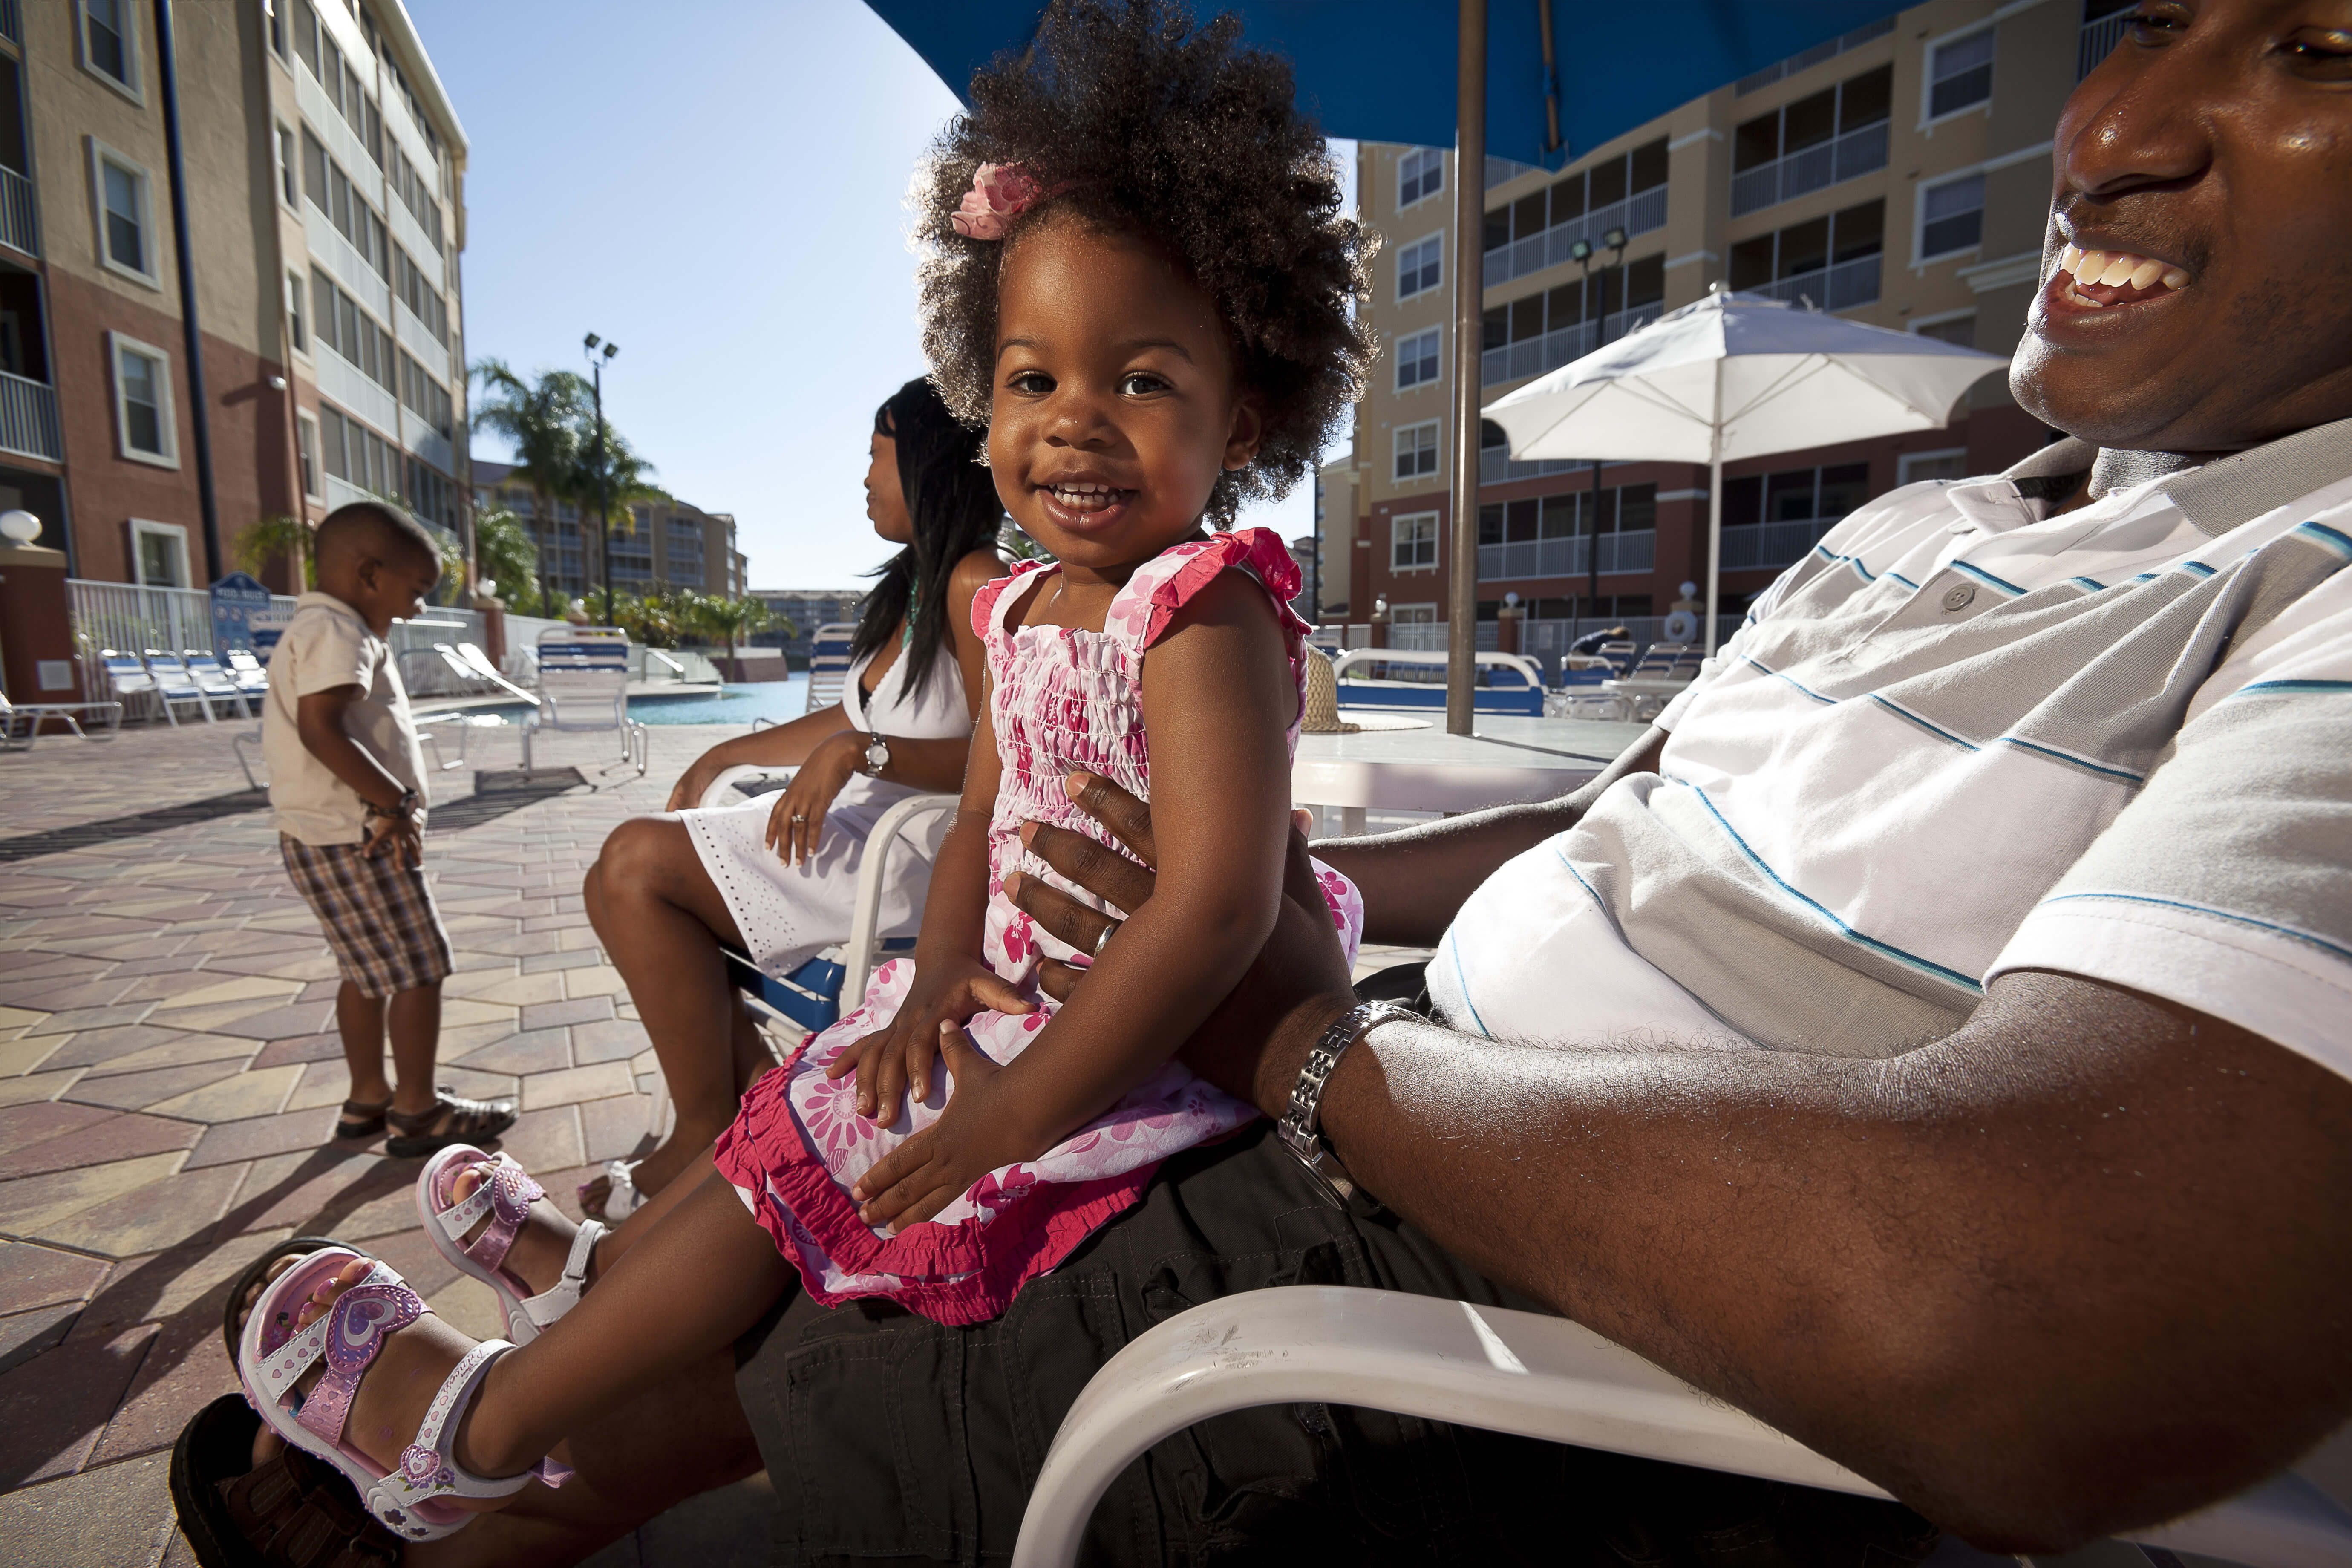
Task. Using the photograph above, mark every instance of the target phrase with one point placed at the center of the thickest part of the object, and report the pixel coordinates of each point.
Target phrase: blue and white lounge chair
(583, 685)
(829, 664)
(246, 670)
(128, 676)
(206, 669)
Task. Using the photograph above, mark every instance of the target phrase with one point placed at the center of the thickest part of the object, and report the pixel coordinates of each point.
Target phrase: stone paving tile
(53, 1409)
(546, 1140)
(24, 1335)
(315, 1191)
(578, 1010)
(118, 1516)
(26, 1125)
(25, 1089)
(227, 1141)
(247, 1094)
(299, 1048)
(614, 1129)
(543, 1090)
(535, 1051)
(34, 1277)
(511, 988)
(119, 1135)
(100, 1018)
(162, 1053)
(22, 1056)
(140, 1090)
(91, 1046)
(30, 1204)
(238, 988)
(610, 1039)
(149, 1218)
(277, 1023)
(575, 958)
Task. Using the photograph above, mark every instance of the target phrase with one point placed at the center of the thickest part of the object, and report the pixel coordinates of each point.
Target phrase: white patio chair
(32, 715)
(828, 664)
(470, 657)
(810, 998)
(246, 670)
(214, 681)
(1522, 1372)
(169, 682)
(583, 685)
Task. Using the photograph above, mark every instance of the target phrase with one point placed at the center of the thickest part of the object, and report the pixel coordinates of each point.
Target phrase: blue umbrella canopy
(1383, 70)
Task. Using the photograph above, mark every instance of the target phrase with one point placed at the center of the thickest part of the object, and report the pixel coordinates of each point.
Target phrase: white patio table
(1510, 759)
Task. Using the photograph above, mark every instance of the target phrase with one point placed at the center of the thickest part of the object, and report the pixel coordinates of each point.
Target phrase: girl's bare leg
(661, 920)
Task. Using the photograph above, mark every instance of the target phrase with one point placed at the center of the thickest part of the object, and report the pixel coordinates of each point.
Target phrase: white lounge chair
(583, 685)
(1508, 1372)
(214, 680)
(828, 664)
(475, 665)
(128, 676)
(21, 724)
(246, 670)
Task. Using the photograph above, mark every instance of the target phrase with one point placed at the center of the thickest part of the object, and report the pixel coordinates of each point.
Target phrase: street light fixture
(596, 362)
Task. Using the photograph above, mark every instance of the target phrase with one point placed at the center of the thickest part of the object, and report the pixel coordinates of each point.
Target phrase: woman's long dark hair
(953, 502)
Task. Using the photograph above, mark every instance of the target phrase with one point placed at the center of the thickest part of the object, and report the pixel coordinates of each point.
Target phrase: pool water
(735, 704)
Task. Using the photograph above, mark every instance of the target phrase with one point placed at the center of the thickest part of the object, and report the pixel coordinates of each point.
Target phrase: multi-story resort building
(229, 276)
(1899, 175)
(662, 544)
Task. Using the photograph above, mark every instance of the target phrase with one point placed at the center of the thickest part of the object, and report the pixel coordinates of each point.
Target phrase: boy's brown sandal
(361, 1120)
(451, 1120)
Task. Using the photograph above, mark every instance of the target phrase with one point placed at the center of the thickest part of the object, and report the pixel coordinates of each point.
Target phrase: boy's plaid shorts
(378, 914)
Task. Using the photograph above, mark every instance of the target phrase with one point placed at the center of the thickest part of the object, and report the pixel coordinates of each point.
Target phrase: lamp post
(1580, 253)
(604, 468)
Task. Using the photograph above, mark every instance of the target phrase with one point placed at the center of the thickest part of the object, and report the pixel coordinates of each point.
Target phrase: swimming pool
(734, 704)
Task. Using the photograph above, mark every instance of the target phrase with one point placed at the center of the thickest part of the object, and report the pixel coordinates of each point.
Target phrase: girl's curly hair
(1180, 136)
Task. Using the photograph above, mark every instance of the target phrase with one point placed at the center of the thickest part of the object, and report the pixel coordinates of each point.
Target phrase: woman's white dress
(789, 913)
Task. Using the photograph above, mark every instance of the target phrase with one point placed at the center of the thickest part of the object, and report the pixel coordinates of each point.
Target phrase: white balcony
(1749, 546)
(1635, 551)
(1639, 214)
(28, 418)
(1536, 356)
(1839, 288)
(18, 228)
(1861, 151)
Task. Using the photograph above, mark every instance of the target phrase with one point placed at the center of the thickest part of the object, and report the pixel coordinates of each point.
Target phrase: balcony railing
(1839, 288)
(1496, 466)
(1862, 150)
(28, 418)
(16, 225)
(1637, 214)
(1751, 545)
(1534, 356)
(1632, 551)
(12, 23)
(2099, 39)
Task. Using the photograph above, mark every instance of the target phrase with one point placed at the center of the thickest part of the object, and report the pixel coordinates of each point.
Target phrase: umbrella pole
(1715, 511)
(1469, 263)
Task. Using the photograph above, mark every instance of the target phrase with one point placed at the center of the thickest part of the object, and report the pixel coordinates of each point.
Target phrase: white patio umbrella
(1733, 376)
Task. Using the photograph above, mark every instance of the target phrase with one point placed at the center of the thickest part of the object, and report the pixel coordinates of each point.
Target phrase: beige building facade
(314, 198)
(664, 543)
(1899, 175)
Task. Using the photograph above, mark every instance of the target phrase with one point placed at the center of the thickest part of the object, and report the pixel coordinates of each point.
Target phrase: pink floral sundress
(1062, 700)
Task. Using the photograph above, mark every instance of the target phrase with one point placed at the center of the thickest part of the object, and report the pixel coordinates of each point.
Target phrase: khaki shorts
(378, 915)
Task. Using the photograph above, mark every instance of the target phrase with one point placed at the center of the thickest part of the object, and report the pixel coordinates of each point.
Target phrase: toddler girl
(1136, 276)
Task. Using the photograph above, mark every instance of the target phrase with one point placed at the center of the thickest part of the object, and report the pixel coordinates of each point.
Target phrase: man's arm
(1414, 879)
(2081, 1265)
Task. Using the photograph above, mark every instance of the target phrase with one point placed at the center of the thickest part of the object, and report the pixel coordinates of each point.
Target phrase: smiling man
(1933, 1036)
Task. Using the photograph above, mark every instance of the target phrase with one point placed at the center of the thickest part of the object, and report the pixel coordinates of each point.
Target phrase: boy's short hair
(373, 524)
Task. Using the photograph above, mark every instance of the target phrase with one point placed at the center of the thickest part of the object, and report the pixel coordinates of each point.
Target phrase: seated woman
(776, 874)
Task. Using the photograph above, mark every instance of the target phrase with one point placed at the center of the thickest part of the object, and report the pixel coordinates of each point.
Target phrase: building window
(275, 11)
(1960, 328)
(1951, 217)
(1771, 519)
(357, 455)
(1416, 450)
(353, 334)
(1417, 357)
(1421, 173)
(159, 554)
(1832, 262)
(109, 43)
(145, 429)
(1592, 199)
(305, 453)
(119, 189)
(290, 177)
(1412, 542)
(1543, 331)
(295, 313)
(1837, 134)
(1946, 464)
(1420, 267)
(1959, 74)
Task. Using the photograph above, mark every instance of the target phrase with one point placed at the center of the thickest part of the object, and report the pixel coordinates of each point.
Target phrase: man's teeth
(2114, 270)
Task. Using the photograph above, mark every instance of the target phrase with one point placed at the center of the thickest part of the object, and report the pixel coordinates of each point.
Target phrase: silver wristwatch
(878, 754)
(1302, 1124)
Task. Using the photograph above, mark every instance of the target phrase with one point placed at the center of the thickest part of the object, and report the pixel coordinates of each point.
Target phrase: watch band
(1302, 1124)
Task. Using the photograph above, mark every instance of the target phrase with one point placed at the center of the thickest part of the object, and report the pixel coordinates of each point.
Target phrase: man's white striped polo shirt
(1963, 737)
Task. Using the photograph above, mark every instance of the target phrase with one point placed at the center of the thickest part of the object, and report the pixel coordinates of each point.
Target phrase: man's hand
(1252, 1045)
(897, 1060)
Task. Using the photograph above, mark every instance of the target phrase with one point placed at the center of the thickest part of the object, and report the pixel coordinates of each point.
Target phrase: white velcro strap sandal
(622, 1198)
(413, 1501)
(505, 1195)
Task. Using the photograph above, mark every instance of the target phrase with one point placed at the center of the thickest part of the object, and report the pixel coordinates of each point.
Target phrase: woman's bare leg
(661, 920)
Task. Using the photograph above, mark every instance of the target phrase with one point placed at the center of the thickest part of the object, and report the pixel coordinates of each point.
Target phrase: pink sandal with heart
(273, 1354)
(505, 1194)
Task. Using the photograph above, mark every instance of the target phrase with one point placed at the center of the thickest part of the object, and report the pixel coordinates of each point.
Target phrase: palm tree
(732, 619)
(509, 558)
(549, 423)
(264, 542)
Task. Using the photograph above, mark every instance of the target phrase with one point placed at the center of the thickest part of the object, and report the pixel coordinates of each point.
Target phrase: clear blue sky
(717, 187)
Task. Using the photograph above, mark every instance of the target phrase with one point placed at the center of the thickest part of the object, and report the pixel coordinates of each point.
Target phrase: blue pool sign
(236, 599)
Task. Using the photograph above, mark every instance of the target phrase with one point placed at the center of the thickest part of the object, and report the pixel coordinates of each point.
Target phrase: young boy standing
(346, 784)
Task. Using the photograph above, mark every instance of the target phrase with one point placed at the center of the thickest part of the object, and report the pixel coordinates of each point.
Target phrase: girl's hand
(889, 1062)
(978, 1133)
(797, 818)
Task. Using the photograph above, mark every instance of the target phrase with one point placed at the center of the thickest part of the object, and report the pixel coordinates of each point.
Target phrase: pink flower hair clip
(1000, 193)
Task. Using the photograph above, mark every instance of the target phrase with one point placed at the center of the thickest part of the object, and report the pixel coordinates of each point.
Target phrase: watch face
(877, 757)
